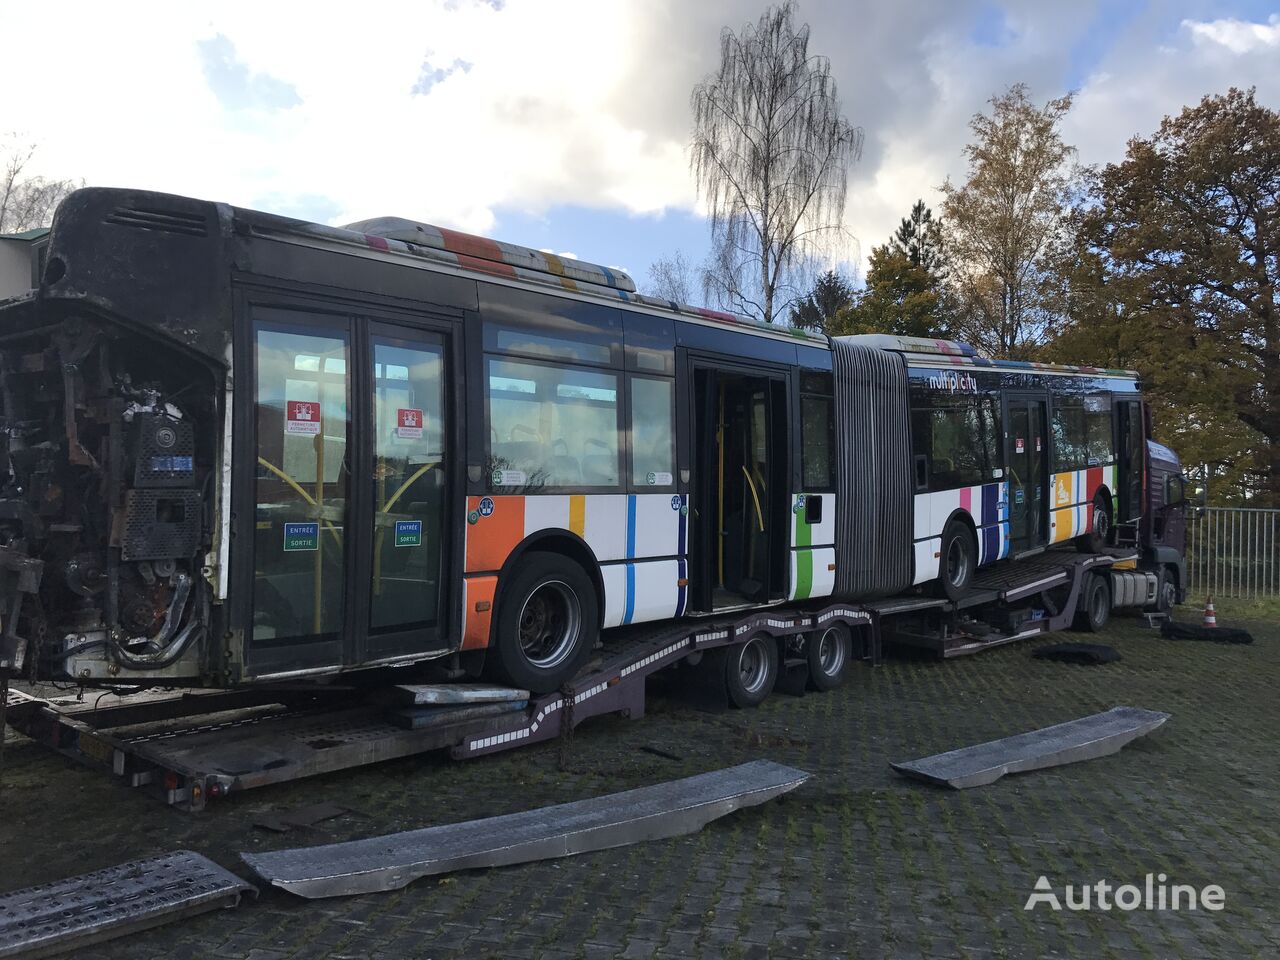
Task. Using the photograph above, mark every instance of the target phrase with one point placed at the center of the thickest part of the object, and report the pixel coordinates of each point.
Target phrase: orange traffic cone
(1210, 618)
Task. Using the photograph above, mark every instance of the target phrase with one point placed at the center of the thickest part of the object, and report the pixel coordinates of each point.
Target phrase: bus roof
(441, 247)
(925, 351)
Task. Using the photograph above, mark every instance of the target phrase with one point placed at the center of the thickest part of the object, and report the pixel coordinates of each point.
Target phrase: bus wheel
(958, 560)
(750, 670)
(547, 623)
(1095, 605)
(1095, 541)
(829, 651)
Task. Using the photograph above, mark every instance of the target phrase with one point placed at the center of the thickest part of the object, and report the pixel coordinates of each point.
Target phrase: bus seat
(565, 471)
(600, 470)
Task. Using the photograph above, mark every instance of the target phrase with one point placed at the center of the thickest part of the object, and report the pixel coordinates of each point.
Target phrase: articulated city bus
(244, 448)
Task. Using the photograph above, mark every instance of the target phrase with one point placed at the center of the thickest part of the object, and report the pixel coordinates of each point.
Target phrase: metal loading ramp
(1094, 736)
(649, 813)
(71, 914)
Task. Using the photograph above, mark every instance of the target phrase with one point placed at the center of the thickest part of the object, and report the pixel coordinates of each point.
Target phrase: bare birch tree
(26, 202)
(770, 153)
(671, 278)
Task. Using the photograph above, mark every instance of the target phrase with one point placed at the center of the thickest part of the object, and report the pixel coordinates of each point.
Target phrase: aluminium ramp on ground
(71, 914)
(1094, 736)
(648, 813)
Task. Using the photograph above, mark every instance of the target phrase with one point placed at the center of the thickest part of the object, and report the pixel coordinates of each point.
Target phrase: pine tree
(831, 294)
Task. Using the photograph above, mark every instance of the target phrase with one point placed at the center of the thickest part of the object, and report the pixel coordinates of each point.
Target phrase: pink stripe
(966, 499)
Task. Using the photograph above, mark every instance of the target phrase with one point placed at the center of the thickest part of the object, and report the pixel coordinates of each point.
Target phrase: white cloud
(1238, 36)
(534, 103)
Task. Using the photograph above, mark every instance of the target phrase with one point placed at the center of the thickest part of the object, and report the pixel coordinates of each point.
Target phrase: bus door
(1026, 450)
(1131, 450)
(348, 490)
(741, 529)
(403, 523)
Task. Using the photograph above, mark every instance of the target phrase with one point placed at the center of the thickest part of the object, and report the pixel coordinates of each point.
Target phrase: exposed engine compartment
(106, 491)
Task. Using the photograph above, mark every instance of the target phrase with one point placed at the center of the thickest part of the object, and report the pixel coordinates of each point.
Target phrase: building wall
(15, 267)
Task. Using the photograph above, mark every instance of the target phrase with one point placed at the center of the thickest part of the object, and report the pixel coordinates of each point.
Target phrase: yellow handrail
(754, 496)
(407, 484)
(302, 493)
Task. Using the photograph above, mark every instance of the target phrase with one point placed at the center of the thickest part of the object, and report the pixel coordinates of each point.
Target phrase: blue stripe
(990, 545)
(684, 524)
(631, 526)
(610, 278)
(990, 499)
(630, 608)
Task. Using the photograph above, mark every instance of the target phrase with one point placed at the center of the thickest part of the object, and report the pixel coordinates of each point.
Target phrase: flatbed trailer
(190, 748)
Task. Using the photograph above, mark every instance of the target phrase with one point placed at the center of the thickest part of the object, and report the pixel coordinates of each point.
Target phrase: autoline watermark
(1154, 893)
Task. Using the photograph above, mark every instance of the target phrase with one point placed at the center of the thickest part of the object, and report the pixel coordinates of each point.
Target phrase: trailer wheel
(750, 670)
(1095, 605)
(958, 560)
(829, 652)
(1095, 541)
(547, 622)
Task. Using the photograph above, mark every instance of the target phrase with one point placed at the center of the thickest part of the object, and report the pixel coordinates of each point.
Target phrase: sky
(564, 124)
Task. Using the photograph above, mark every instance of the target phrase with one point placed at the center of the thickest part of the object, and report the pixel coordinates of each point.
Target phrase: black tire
(957, 561)
(547, 622)
(1166, 592)
(1095, 605)
(749, 670)
(829, 650)
(1096, 540)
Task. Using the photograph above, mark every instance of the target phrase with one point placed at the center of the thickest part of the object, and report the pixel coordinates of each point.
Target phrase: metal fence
(1234, 552)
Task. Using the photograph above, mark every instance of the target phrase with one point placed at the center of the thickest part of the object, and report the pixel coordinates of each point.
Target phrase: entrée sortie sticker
(486, 507)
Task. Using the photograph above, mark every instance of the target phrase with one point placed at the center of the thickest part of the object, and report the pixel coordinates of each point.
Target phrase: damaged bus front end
(112, 545)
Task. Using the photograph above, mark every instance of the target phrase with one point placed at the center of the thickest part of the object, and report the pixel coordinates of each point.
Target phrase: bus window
(552, 426)
(535, 325)
(408, 483)
(1070, 437)
(1099, 432)
(652, 439)
(301, 484)
(960, 437)
(817, 431)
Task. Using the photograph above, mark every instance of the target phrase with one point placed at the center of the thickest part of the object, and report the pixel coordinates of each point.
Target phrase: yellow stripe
(578, 514)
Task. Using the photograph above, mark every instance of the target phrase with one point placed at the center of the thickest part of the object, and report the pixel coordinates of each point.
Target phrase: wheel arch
(966, 518)
(567, 544)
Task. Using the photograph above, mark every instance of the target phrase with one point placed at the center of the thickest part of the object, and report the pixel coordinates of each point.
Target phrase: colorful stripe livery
(491, 256)
(639, 540)
(987, 505)
(1071, 500)
(813, 553)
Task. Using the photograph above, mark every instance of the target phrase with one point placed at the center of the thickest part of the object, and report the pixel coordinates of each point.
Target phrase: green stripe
(804, 557)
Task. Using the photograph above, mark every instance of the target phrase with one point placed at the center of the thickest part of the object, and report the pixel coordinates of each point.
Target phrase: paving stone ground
(857, 862)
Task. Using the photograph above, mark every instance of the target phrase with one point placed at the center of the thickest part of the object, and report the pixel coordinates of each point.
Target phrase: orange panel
(491, 539)
(475, 632)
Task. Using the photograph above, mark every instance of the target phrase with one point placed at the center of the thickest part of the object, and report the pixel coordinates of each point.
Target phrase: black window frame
(631, 484)
(928, 402)
(817, 385)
